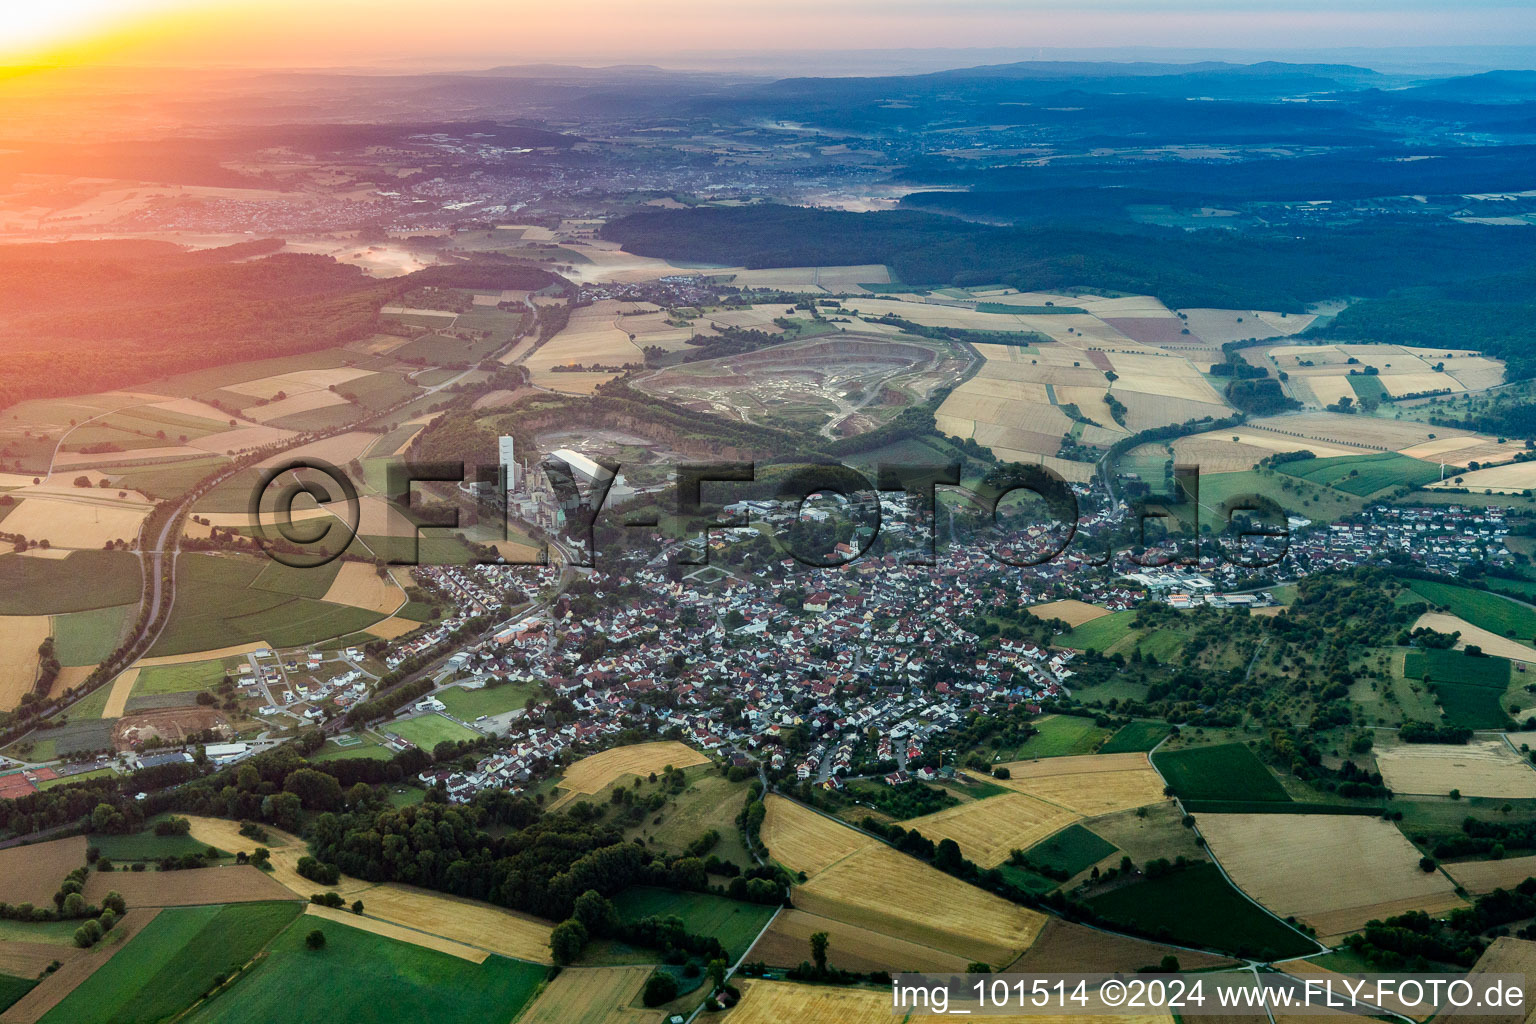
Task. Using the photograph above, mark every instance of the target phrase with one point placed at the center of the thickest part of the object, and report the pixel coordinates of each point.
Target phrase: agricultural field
(1088, 784)
(399, 933)
(890, 892)
(1488, 641)
(172, 962)
(427, 731)
(20, 637)
(1061, 735)
(31, 874)
(773, 1002)
(1072, 850)
(1488, 768)
(1064, 947)
(1483, 609)
(734, 923)
(85, 638)
(1512, 478)
(590, 995)
(802, 840)
(710, 801)
(1363, 475)
(1470, 689)
(592, 774)
(1197, 907)
(1226, 771)
(1377, 370)
(504, 932)
(1073, 613)
(1332, 871)
(385, 982)
(1135, 737)
(232, 883)
(220, 602)
(787, 943)
(986, 830)
(82, 581)
(594, 336)
(1482, 876)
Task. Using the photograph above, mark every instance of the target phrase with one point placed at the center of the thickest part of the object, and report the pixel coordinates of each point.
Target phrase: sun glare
(32, 30)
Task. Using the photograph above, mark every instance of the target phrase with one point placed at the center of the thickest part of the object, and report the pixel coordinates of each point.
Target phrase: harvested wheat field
(1478, 768)
(1506, 955)
(30, 959)
(521, 936)
(236, 651)
(1507, 479)
(52, 990)
(31, 874)
(392, 628)
(1073, 613)
(803, 840)
(117, 696)
(309, 401)
(237, 883)
(774, 1002)
(787, 942)
(592, 774)
(1333, 871)
(889, 892)
(77, 523)
(359, 585)
(590, 995)
(400, 934)
(1072, 948)
(1087, 783)
(20, 637)
(1480, 876)
(286, 851)
(1491, 642)
(986, 830)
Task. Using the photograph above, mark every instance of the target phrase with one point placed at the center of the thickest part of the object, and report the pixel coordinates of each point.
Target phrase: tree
(659, 988)
(88, 934)
(357, 906)
(977, 967)
(716, 971)
(567, 940)
(819, 941)
(315, 939)
(1168, 964)
(114, 902)
(595, 912)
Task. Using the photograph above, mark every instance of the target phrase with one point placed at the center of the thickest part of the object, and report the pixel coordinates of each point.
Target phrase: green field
(86, 638)
(12, 989)
(169, 964)
(1368, 387)
(54, 933)
(1136, 737)
(81, 582)
(219, 603)
(1470, 688)
(1227, 771)
(284, 579)
(163, 679)
(368, 748)
(1489, 611)
(1073, 849)
(1060, 735)
(469, 705)
(361, 978)
(1363, 474)
(145, 846)
(1101, 633)
(68, 780)
(734, 923)
(1198, 907)
(170, 479)
(427, 731)
(1314, 501)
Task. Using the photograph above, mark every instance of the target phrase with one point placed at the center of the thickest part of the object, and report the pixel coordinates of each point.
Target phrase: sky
(332, 33)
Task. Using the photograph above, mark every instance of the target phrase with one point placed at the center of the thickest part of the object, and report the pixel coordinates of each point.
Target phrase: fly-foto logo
(307, 512)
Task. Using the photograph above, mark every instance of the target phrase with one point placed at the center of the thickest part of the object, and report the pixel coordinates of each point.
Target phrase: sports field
(362, 978)
(427, 731)
(468, 705)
